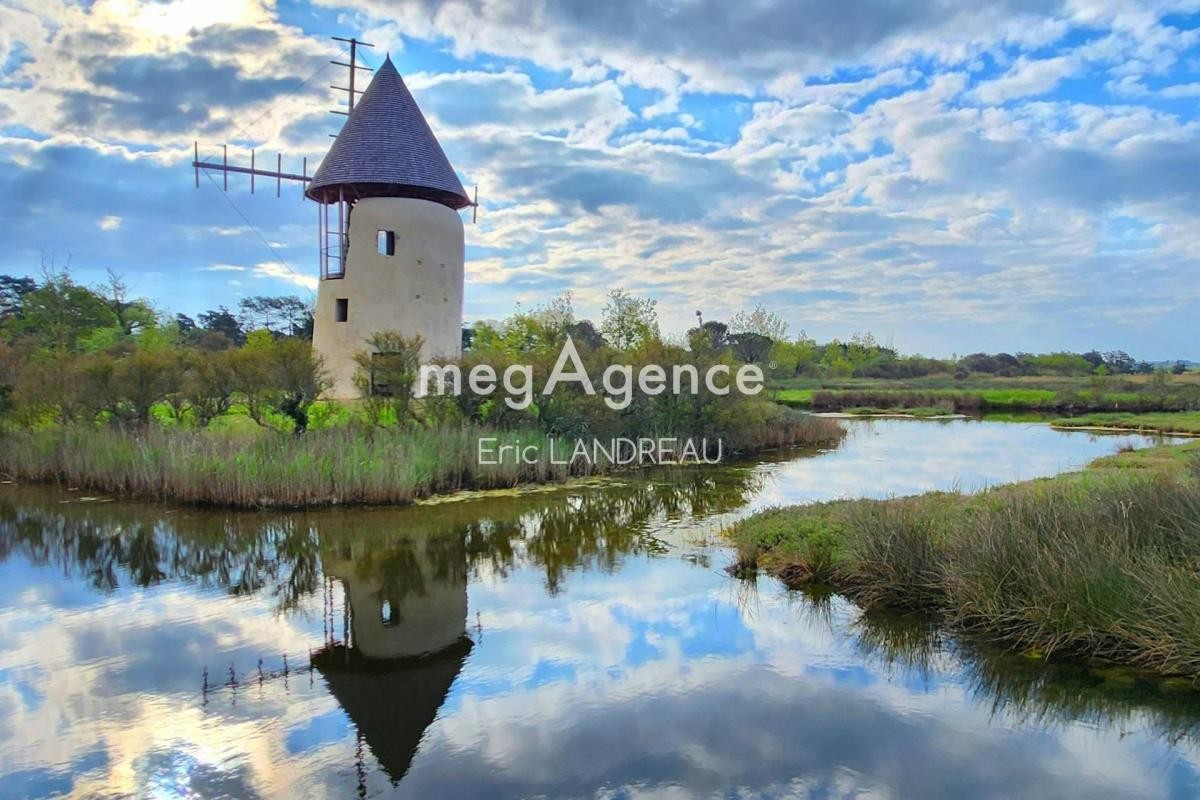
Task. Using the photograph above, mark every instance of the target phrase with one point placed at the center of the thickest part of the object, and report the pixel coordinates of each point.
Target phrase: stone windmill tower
(390, 238)
(400, 265)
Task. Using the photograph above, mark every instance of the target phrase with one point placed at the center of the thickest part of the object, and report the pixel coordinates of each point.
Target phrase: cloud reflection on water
(609, 655)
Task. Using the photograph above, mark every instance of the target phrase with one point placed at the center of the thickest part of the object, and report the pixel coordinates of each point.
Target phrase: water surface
(580, 642)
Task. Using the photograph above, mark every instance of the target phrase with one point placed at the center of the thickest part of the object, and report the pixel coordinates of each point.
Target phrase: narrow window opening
(389, 614)
(386, 241)
(379, 372)
(342, 311)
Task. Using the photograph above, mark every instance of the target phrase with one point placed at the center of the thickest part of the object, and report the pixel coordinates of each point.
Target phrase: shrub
(386, 377)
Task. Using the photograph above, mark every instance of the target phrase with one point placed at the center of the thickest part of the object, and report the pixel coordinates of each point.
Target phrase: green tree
(142, 380)
(222, 321)
(10, 365)
(301, 379)
(759, 321)
(386, 377)
(50, 386)
(710, 337)
(750, 347)
(585, 334)
(60, 312)
(209, 385)
(132, 315)
(1120, 362)
(282, 316)
(282, 376)
(628, 322)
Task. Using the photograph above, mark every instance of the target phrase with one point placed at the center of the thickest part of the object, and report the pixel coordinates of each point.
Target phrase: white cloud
(109, 223)
(1181, 90)
(1028, 77)
(283, 272)
(931, 165)
(509, 102)
(132, 72)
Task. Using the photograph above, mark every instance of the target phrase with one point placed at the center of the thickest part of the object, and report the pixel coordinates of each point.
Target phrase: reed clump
(346, 464)
(1102, 564)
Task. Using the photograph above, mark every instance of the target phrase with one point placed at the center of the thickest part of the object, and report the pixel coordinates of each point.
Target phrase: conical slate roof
(386, 149)
(392, 703)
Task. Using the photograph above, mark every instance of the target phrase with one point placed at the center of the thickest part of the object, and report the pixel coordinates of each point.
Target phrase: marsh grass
(346, 465)
(349, 464)
(1102, 564)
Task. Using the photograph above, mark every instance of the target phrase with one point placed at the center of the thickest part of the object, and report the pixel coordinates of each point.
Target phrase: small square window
(386, 241)
(342, 312)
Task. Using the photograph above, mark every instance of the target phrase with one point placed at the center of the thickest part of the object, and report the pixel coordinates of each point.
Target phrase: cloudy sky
(951, 176)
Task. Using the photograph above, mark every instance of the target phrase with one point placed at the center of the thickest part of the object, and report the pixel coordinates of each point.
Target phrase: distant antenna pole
(475, 205)
(354, 67)
(251, 170)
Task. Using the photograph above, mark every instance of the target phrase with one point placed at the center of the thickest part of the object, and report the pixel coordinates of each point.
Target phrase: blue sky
(951, 176)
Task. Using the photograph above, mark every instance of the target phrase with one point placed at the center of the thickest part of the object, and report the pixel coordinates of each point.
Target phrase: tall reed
(267, 468)
(342, 465)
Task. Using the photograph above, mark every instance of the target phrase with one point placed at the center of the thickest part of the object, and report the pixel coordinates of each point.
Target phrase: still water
(578, 642)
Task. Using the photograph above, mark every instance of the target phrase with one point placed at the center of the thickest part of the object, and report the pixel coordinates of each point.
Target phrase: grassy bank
(342, 465)
(920, 412)
(978, 395)
(1103, 563)
(1184, 423)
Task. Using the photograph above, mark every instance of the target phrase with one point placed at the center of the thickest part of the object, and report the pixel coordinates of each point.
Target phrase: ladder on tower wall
(335, 241)
(334, 237)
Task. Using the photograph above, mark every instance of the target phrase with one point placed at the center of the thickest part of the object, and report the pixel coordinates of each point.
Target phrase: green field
(796, 398)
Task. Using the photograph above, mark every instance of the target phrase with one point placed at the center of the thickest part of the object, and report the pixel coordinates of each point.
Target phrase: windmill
(390, 238)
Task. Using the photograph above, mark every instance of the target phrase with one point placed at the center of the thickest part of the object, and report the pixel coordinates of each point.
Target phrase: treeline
(57, 313)
(74, 355)
(71, 353)
(762, 337)
(863, 357)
